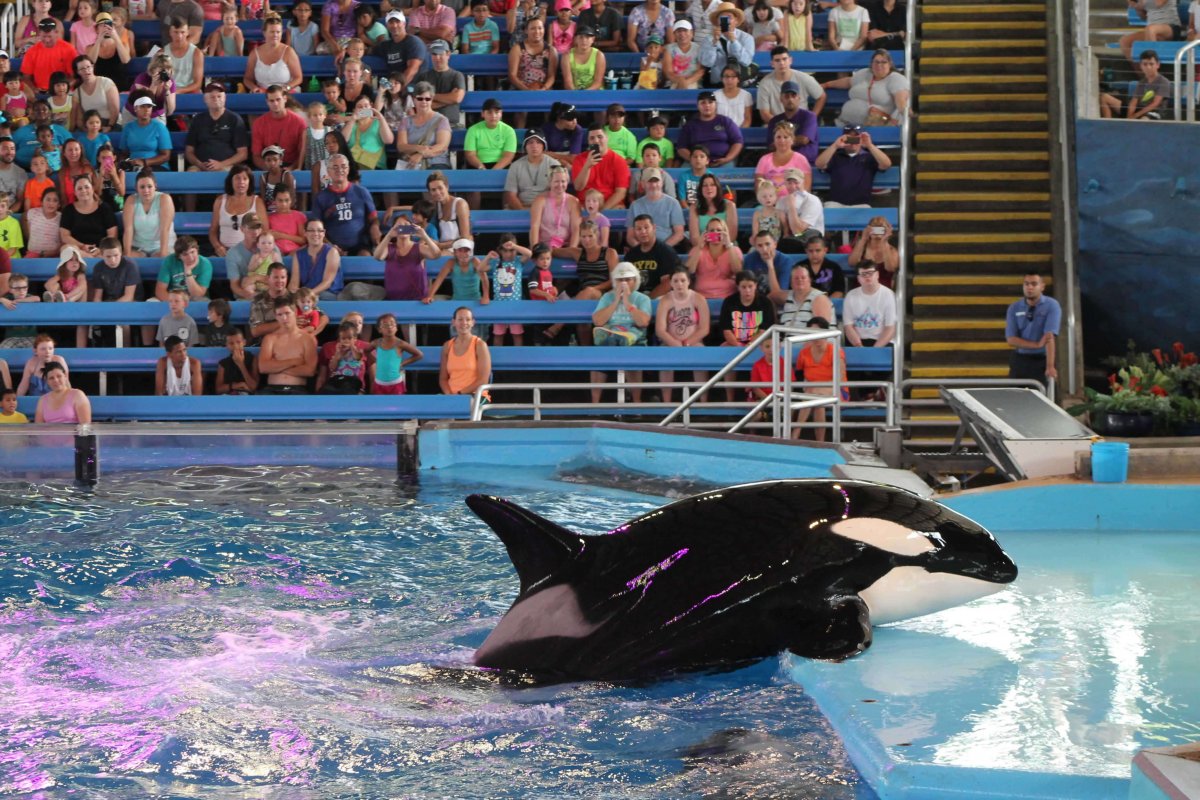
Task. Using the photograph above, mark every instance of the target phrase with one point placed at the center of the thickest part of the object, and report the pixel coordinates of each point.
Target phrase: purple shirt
(559, 141)
(341, 25)
(718, 134)
(806, 125)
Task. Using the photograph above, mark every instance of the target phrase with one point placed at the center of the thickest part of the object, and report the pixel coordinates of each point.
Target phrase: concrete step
(959, 221)
(945, 180)
(938, 280)
(995, 122)
(997, 15)
(982, 66)
(973, 141)
(982, 103)
(952, 44)
(983, 28)
(928, 200)
(982, 160)
(983, 84)
(960, 371)
(1011, 263)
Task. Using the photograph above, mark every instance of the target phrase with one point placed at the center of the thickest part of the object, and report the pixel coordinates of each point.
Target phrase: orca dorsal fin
(536, 546)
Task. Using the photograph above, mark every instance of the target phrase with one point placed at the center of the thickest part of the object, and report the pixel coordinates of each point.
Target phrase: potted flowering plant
(1182, 371)
(1135, 404)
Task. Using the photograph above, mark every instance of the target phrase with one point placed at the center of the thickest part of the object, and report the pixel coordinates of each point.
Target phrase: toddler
(593, 200)
(264, 256)
(766, 216)
(12, 240)
(219, 330)
(506, 270)
(226, 40)
(16, 104)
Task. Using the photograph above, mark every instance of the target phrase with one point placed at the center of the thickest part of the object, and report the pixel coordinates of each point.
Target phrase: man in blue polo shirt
(1032, 327)
(718, 133)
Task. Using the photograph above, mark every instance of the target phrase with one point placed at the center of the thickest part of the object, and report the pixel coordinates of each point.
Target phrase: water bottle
(314, 85)
(610, 81)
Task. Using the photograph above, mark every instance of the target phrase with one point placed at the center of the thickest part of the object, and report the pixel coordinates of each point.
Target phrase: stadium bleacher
(485, 221)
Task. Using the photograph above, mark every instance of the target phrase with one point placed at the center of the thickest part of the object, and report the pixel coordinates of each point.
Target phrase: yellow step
(938, 175)
(973, 25)
(983, 197)
(960, 258)
(926, 393)
(980, 238)
(968, 280)
(953, 80)
(979, 216)
(928, 417)
(984, 155)
(961, 300)
(936, 347)
(1023, 8)
(1039, 97)
(984, 119)
(958, 324)
(974, 61)
(960, 372)
(979, 44)
(988, 135)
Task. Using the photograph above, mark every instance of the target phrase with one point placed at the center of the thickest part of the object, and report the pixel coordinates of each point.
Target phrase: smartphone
(853, 139)
(363, 114)
(594, 148)
(408, 229)
(877, 230)
(724, 24)
(712, 236)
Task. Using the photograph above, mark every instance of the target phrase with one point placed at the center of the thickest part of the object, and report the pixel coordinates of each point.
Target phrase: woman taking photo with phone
(403, 250)
(874, 244)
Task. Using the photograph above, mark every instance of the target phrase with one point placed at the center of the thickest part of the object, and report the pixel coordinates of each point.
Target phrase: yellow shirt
(13, 418)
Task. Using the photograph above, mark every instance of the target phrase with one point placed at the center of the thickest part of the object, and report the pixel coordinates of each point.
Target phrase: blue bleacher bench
(460, 180)
(497, 64)
(354, 268)
(551, 359)
(755, 138)
(499, 221)
(271, 407)
(406, 311)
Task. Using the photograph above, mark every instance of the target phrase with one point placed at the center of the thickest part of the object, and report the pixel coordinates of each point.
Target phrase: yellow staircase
(981, 210)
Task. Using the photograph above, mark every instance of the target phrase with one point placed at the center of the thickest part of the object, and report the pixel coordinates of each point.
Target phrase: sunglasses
(423, 99)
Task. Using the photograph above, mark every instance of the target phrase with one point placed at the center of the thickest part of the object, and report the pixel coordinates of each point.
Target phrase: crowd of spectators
(78, 124)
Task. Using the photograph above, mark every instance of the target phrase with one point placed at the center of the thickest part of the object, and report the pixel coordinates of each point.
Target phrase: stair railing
(906, 181)
(1186, 81)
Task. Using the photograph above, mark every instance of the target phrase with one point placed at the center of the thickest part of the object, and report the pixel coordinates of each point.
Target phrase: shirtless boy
(289, 355)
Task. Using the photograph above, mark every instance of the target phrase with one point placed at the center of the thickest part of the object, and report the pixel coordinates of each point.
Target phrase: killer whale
(731, 576)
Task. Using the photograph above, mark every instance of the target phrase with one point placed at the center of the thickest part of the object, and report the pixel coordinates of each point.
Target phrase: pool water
(304, 633)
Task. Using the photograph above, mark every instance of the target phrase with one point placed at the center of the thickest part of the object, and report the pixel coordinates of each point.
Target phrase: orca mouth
(996, 570)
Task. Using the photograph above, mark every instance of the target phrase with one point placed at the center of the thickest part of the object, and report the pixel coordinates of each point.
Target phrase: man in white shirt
(806, 215)
(768, 101)
(869, 312)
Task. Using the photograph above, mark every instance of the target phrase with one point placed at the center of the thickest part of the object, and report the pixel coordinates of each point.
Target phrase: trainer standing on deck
(1032, 328)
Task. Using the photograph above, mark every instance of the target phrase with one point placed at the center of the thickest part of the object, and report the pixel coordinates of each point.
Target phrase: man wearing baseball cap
(449, 85)
(51, 54)
(491, 143)
(718, 133)
(217, 139)
(404, 54)
(665, 211)
(852, 171)
(529, 176)
(804, 121)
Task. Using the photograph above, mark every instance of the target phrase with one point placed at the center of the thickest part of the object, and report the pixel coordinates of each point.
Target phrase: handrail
(906, 179)
(782, 339)
(1188, 81)
(721, 373)
(8, 24)
(1066, 201)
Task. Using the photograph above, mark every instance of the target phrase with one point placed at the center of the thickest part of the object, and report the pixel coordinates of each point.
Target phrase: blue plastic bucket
(1110, 462)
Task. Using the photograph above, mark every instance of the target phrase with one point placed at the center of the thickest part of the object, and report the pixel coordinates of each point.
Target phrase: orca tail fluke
(536, 546)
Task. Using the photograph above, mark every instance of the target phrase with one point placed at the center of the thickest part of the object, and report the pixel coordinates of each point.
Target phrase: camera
(724, 24)
(164, 76)
(878, 230)
(853, 139)
(712, 236)
(363, 113)
(107, 23)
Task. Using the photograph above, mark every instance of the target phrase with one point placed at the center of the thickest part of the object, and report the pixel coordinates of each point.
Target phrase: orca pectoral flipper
(536, 546)
(842, 630)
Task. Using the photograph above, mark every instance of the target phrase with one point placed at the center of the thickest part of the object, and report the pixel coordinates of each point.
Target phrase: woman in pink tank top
(714, 261)
(62, 404)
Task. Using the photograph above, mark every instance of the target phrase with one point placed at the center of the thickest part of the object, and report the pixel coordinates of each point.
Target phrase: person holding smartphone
(403, 249)
(874, 244)
(851, 170)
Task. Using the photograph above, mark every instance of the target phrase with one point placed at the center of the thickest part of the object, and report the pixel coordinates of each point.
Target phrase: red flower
(1158, 391)
(1158, 356)
(1178, 348)
(1112, 380)
(1187, 359)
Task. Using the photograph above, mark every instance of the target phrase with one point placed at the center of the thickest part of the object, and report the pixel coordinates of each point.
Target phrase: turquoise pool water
(302, 633)
(1045, 690)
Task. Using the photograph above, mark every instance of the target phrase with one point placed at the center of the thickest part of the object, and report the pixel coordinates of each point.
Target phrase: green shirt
(622, 141)
(490, 144)
(171, 272)
(665, 146)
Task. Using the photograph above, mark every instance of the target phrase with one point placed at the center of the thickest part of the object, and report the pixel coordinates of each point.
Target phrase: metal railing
(9, 17)
(906, 180)
(911, 403)
(1185, 82)
(1066, 200)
